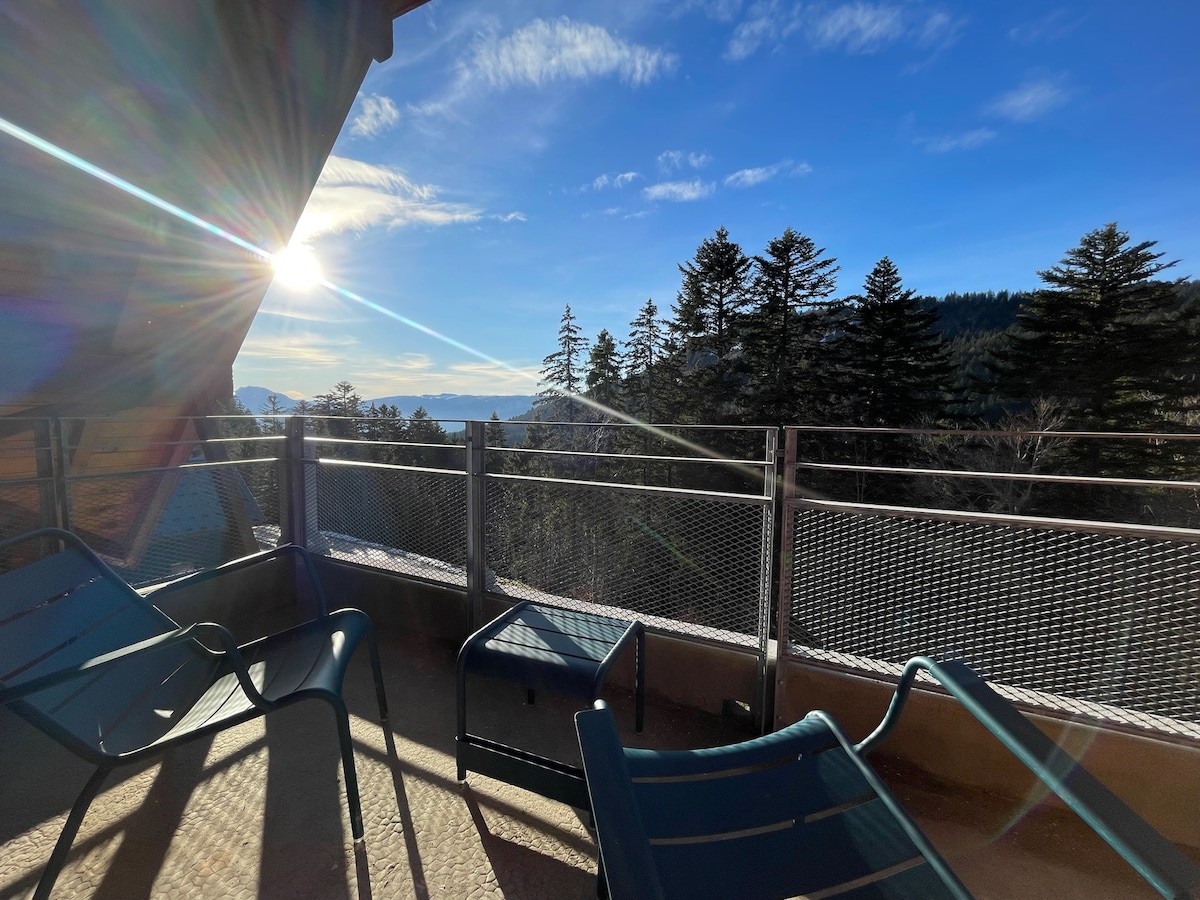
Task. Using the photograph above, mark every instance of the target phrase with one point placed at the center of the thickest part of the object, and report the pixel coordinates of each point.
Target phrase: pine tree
(604, 373)
(342, 402)
(562, 371)
(893, 366)
(494, 434)
(275, 413)
(705, 327)
(712, 295)
(645, 358)
(784, 328)
(1104, 338)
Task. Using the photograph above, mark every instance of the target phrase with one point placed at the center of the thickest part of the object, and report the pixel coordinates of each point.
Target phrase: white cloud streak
(562, 50)
(679, 191)
(1030, 101)
(970, 140)
(1050, 27)
(355, 196)
(376, 115)
(620, 180)
(857, 27)
(719, 10)
(746, 178)
(674, 160)
(766, 22)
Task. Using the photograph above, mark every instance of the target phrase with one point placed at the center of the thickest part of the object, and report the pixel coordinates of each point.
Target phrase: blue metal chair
(800, 811)
(90, 662)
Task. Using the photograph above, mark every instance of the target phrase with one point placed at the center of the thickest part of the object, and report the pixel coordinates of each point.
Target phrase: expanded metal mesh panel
(1093, 617)
(24, 507)
(694, 564)
(404, 520)
(184, 519)
(26, 502)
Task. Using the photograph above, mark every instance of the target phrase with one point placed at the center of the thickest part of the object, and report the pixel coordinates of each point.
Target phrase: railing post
(787, 540)
(51, 470)
(293, 518)
(764, 693)
(476, 509)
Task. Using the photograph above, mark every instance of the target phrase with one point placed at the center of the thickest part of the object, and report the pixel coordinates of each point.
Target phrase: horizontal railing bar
(747, 499)
(313, 439)
(658, 426)
(23, 482)
(213, 464)
(711, 460)
(374, 465)
(1004, 476)
(110, 447)
(943, 432)
(1152, 532)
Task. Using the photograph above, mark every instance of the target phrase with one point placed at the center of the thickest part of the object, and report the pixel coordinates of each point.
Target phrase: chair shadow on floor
(516, 866)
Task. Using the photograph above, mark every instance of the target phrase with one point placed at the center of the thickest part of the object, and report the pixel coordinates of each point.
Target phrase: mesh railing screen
(1102, 624)
(187, 519)
(404, 520)
(691, 564)
(23, 508)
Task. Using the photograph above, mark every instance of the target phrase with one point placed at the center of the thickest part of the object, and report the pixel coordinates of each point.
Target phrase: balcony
(431, 539)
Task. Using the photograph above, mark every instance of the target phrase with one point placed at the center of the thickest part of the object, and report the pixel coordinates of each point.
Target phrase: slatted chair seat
(800, 813)
(93, 664)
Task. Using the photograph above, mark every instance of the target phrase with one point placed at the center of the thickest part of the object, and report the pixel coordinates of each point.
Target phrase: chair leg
(352, 800)
(377, 670)
(59, 857)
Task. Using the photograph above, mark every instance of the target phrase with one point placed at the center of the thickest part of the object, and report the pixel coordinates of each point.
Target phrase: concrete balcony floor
(258, 811)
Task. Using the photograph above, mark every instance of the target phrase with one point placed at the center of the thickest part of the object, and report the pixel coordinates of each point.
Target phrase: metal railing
(594, 517)
(882, 554)
(1093, 619)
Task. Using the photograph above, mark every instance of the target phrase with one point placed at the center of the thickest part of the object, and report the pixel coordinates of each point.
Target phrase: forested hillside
(1108, 343)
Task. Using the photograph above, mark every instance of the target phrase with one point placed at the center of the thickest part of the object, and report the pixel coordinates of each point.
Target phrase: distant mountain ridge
(449, 407)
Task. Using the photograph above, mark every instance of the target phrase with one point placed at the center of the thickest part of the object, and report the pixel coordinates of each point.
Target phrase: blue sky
(514, 157)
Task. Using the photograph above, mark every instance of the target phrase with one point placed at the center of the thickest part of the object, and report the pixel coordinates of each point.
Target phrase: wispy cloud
(562, 50)
(679, 191)
(1030, 101)
(620, 180)
(509, 217)
(354, 196)
(1050, 27)
(309, 348)
(745, 178)
(674, 160)
(860, 28)
(376, 115)
(857, 27)
(720, 10)
(970, 140)
(766, 22)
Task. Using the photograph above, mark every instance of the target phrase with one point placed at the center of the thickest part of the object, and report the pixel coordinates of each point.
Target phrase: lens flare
(297, 267)
(300, 263)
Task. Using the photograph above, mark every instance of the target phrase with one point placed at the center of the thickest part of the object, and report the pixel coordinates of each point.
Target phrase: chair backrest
(66, 607)
(792, 813)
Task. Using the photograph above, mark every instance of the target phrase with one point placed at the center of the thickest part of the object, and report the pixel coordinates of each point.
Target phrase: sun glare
(297, 267)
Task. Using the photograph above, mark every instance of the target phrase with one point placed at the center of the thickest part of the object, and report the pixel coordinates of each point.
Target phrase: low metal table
(559, 650)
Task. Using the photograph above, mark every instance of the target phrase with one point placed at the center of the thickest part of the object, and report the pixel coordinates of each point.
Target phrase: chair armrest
(233, 654)
(61, 676)
(1155, 858)
(229, 650)
(620, 835)
(246, 562)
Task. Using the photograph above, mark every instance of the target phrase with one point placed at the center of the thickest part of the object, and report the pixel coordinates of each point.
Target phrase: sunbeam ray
(133, 190)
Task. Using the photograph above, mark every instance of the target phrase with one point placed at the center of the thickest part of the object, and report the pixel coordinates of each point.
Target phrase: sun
(297, 267)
